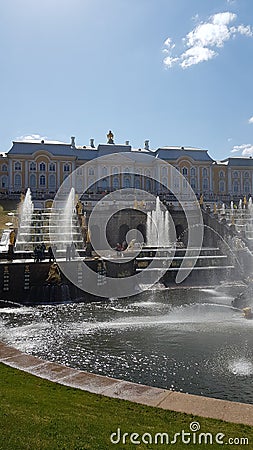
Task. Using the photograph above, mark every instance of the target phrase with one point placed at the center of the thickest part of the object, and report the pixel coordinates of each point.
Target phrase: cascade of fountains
(158, 227)
(25, 218)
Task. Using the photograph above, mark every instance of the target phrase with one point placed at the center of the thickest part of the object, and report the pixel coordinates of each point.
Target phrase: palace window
(17, 180)
(164, 171)
(193, 183)
(33, 180)
(115, 182)
(185, 171)
(137, 182)
(66, 168)
(52, 167)
(176, 182)
(204, 172)
(4, 181)
(221, 186)
(235, 187)
(221, 174)
(42, 167)
(148, 185)
(205, 184)
(4, 168)
(79, 171)
(246, 174)
(165, 182)
(127, 182)
(17, 165)
(91, 171)
(104, 171)
(246, 187)
(115, 170)
(32, 166)
(42, 180)
(52, 181)
(235, 174)
(105, 184)
(193, 171)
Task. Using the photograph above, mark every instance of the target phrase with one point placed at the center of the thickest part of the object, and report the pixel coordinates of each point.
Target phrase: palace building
(44, 165)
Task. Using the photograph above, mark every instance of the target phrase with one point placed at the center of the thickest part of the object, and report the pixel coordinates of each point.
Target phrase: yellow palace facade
(44, 165)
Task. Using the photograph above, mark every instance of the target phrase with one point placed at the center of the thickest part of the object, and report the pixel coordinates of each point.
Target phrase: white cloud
(202, 43)
(251, 119)
(31, 137)
(245, 149)
(37, 138)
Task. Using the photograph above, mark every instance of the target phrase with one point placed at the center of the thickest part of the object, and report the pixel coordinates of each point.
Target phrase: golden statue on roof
(110, 137)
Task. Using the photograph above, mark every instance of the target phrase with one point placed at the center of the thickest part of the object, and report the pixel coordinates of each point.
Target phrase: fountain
(25, 219)
(158, 227)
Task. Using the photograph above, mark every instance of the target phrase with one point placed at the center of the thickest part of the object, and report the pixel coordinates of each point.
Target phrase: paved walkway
(138, 393)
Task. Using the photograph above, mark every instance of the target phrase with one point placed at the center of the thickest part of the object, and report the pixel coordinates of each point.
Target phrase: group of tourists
(40, 252)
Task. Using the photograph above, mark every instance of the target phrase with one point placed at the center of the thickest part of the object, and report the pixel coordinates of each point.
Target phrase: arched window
(221, 186)
(115, 170)
(185, 171)
(104, 171)
(4, 168)
(42, 167)
(66, 168)
(32, 166)
(246, 174)
(17, 165)
(204, 172)
(246, 187)
(165, 182)
(193, 171)
(4, 182)
(164, 171)
(193, 183)
(52, 180)
(52, 167)
(205, 184)
(127, 170)
(176, 182)
(33, 180)
(105, 184)
(17, 180)
(235, 174)
(148, 185)
(137, 182)
(221, 174)
(42, 180)
(115, 182)
(126, 181)
(235, 187)
(91, 171)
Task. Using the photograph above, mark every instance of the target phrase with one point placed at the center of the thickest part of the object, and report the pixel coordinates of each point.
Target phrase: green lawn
(37, 414)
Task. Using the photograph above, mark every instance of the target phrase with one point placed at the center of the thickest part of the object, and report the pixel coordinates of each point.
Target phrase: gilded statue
(110, 137)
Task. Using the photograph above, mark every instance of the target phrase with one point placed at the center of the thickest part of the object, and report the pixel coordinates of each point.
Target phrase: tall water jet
(240, 203)
(68, 216)
(24, 223)
(158, 227)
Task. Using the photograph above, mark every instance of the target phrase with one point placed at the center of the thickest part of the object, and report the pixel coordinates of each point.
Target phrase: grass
(36, 414)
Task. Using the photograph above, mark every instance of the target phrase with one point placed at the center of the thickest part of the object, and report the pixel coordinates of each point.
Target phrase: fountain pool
(186, 340)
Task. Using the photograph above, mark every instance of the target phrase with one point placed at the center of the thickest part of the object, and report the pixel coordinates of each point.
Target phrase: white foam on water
(241, 367)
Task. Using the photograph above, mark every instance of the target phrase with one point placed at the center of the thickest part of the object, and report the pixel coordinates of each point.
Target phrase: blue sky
(176, 72)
